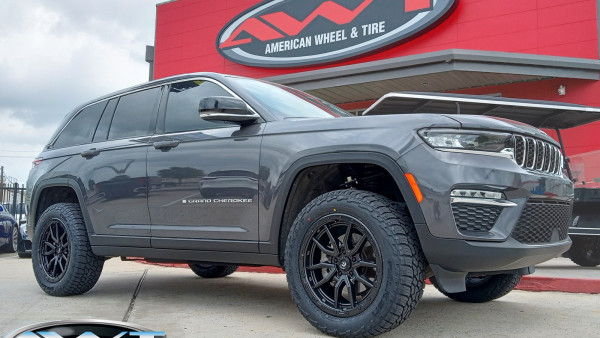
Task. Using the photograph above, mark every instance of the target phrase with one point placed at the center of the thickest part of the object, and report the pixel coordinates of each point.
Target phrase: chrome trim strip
(483, 201)
(488, 153)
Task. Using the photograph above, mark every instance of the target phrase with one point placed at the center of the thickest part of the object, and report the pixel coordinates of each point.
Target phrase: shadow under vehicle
(582, 169)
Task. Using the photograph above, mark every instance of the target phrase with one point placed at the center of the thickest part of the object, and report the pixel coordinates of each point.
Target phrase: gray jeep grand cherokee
(358, 210)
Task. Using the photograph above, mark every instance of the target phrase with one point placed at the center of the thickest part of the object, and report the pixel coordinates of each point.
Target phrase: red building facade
(514, 48)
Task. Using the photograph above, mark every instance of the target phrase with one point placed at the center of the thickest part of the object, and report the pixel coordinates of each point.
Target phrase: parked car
(584, 170)
(9, 230)
(23, 247)
(359, 210)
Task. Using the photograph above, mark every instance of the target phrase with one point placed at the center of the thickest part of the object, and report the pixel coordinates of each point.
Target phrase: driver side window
(182, 106)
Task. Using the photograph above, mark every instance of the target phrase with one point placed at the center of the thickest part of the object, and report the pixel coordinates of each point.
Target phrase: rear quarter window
(80, 129)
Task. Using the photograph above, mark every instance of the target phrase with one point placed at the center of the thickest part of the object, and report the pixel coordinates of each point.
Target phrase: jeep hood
(539, 114)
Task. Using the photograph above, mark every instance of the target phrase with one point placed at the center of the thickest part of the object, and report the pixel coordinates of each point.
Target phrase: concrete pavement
(255, 304)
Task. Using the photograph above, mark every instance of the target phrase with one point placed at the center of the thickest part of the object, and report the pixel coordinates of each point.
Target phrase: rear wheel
(63, 261)
(585, 252)
(484, 288)
(212, 271)
(354, 264)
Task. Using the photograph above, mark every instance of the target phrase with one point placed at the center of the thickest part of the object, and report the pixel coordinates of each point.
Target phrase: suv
(219, 171)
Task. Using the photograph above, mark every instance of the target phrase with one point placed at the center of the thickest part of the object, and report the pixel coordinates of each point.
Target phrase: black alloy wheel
(341, 265)
(354, 264)
(54, 250)
(63, 261)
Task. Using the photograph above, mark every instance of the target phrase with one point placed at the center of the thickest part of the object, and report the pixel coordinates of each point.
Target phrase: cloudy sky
(55, 55)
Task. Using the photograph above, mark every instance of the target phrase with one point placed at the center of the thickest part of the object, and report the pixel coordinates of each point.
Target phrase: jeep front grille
(543, 222)
(534, 154)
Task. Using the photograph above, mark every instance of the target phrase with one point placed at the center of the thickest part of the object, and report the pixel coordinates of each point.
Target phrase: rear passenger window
(133, 114)
(182, 106)
(81, 128)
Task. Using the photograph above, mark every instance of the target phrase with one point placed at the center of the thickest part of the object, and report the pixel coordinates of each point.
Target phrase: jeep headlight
(490, 143)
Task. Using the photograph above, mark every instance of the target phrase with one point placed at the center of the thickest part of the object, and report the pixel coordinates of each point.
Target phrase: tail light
(36, 162)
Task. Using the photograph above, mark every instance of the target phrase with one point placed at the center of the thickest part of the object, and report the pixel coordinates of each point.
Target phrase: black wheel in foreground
(212, 271)
(354, 264)
(483, 289)
(62, 258)
(585, 252)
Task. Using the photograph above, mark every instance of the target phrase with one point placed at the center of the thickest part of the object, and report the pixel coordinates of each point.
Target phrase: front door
(203, 176)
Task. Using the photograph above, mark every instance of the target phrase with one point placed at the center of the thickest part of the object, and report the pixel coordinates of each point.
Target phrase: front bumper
(526, 227)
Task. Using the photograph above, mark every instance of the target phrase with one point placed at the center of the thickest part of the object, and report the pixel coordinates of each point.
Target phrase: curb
(528, 283)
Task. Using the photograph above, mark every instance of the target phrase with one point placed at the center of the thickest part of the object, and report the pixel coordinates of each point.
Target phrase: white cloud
(57, 55)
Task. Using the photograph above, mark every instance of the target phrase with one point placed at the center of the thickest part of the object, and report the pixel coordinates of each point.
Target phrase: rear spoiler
(540, 114)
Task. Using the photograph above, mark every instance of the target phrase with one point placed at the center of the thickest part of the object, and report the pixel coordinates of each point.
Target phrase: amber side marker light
(414, 186)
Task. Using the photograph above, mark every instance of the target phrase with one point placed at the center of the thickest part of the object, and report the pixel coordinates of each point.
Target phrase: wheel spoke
(358, 245)
(53, 262)
(323, 249)
(363, 280)
(54, 228)
(336, 293)
(322, 265)
(351, 295)
(366, 264)
(324, 280)
(60, 263)
(333, 241)
(348, 237)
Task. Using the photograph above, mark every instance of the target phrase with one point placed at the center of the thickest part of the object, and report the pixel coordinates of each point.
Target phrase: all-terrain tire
(483, 289)
(585, 252)
(76, 269)
(212, 271)
(389, 258)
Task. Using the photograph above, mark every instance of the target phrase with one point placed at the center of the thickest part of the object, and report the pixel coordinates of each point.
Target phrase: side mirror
(224, 108)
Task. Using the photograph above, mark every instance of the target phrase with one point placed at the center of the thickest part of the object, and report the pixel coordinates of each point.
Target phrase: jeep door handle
(165, 145)
(90, 153)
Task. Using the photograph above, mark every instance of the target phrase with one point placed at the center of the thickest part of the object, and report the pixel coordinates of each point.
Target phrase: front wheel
(483, 288)
(354, 264)
(63, 261)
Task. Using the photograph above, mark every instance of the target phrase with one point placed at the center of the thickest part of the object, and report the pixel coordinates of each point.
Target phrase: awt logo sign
(288, 33)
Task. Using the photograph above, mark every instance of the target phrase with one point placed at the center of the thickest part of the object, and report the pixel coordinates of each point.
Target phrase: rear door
(203, 176)
(113, 170)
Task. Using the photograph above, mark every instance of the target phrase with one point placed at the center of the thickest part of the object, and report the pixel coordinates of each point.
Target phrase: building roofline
(446, 60)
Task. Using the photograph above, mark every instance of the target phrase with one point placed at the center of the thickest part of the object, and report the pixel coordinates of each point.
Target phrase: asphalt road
(174, 300)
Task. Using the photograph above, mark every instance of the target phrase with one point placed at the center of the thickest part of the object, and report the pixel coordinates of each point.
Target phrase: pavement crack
(134, 297)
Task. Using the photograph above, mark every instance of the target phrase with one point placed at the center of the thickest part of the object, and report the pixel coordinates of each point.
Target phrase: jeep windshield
(288, 103)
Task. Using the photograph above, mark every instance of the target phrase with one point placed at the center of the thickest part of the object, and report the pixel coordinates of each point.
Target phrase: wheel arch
(280, 226)
(57, 190)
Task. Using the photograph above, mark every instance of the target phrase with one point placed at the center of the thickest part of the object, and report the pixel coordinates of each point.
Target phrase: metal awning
(540, 114)
(439, 71)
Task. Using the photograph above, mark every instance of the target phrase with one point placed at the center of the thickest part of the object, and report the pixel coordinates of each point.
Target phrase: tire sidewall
(303, 228)
(42, 225)
(14, 242)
